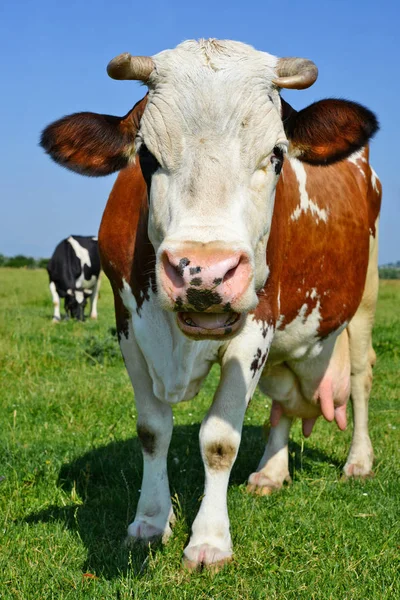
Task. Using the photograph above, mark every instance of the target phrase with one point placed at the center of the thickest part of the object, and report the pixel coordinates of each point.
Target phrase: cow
(74, 273)
(242, 232)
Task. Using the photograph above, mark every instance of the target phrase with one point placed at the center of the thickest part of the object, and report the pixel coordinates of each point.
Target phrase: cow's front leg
(56, 302)
(210, 542)
(154, 428)
(220, 434)
(94, 298)
(154, 511)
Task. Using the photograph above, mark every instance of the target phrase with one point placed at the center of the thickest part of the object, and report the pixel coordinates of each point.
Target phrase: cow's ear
(328, 130)
(93, 144)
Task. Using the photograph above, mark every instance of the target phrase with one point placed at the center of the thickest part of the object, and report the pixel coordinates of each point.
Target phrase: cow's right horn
(126, 66)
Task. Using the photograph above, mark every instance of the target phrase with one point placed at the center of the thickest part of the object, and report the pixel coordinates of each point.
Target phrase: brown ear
(93, 144)
(328, 130)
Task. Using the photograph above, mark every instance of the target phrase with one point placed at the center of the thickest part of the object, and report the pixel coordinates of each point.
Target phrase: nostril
(236, 269)
(173, 269)
(229, 274)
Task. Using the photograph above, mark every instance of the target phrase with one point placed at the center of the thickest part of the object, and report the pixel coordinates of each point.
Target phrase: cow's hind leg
(362, 357)
(154, 428)
(273, 469)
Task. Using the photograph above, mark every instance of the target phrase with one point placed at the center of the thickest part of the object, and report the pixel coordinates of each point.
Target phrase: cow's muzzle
(208, 285)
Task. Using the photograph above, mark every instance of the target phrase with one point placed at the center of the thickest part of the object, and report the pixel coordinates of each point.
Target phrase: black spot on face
(194, 270)
(184, 262)
(196, 281)
(227, 307)
(203, 299)
(218, 280)
(178, 304)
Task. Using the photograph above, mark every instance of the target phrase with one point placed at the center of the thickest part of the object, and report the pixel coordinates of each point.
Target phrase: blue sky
(54, 57)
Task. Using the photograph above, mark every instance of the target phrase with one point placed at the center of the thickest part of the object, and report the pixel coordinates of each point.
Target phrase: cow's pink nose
(186, 275)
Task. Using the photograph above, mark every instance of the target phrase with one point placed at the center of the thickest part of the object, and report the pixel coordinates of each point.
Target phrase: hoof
(142, 532)
(357, 471)
(359, 462)
(261, 485)
(204, 555)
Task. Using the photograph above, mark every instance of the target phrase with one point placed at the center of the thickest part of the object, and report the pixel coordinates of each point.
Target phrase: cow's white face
(213, 124)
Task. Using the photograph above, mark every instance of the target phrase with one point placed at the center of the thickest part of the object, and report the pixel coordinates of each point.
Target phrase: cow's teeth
(190, 322)
(231, 320)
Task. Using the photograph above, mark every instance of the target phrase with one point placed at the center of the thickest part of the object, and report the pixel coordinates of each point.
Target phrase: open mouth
(210, 325)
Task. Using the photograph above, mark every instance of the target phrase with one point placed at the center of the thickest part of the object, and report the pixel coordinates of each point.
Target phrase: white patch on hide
(374, 179)
(356, 157)
(80, 252)
(299, 339)
(306, 204)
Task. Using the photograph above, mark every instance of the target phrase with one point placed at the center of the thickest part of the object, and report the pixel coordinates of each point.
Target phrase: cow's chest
(177, 365)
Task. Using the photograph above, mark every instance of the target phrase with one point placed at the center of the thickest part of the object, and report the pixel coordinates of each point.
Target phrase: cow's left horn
(295, 73)
(126, 66)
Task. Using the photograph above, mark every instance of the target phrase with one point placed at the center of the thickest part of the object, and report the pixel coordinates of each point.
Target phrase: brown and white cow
(244, 230)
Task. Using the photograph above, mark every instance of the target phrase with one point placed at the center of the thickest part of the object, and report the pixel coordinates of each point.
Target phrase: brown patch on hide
(331, 258)
(147, 439)
(220, 455)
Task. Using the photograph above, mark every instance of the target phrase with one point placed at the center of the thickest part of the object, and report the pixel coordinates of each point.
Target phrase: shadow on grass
(105, 485)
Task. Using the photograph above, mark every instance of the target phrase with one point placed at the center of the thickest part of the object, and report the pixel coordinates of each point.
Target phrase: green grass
(72, 469)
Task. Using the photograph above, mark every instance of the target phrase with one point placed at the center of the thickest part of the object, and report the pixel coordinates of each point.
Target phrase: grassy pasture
(72, 471)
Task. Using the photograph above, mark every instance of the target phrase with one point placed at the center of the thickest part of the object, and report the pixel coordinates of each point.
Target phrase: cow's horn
(295, 73)
(126, 66)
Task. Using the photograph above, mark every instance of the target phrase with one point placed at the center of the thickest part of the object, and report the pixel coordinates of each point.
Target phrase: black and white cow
(74, 272)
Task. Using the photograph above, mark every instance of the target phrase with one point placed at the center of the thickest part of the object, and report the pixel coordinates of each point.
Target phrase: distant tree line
(390, 271)
(20, 260)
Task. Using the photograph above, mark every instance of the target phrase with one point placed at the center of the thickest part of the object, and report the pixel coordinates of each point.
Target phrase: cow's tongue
(208, 320)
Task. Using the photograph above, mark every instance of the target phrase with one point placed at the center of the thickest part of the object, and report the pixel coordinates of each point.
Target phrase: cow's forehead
(211, 90)
(217, 56)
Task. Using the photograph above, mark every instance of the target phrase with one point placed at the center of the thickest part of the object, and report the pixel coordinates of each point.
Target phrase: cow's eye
(148, 163)
(277, 159)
